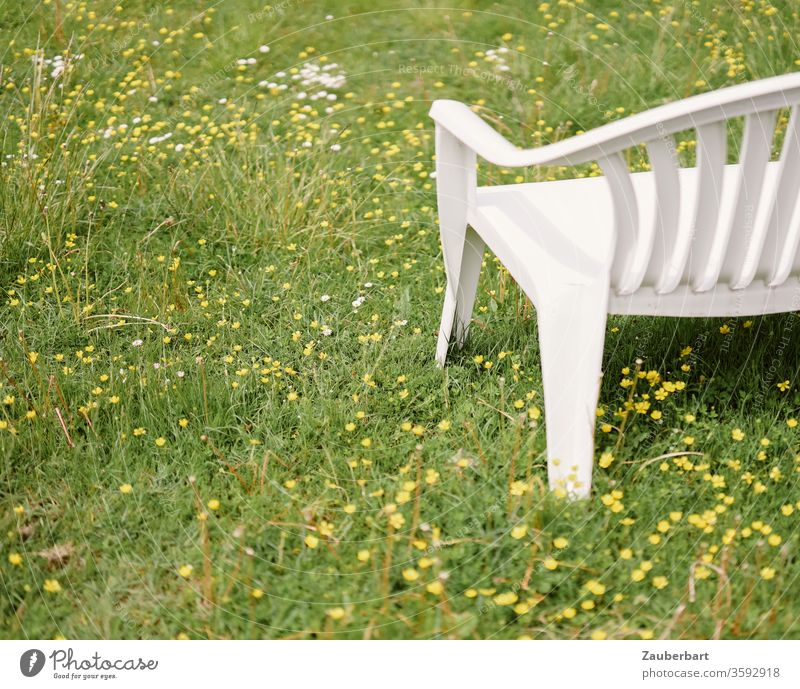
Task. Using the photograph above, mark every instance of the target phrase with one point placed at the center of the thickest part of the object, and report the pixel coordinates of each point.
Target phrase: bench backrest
(750, 231)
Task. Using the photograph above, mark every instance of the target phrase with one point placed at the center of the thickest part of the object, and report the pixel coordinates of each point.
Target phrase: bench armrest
(474, 133)
(689, 113)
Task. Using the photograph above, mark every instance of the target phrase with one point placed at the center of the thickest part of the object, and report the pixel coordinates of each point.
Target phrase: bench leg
(571, 336)
(459, 298)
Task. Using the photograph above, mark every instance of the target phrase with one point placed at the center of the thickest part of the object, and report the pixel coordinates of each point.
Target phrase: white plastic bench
(711, 240)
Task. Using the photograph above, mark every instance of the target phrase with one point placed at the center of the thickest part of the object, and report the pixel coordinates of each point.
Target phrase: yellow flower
(213, 504)
(560, 542)
(737, 434)
(702, 572)
(185, 571)
(125, 488)
(444, 425)
(550, 563)
(256, 593)
(311, 541)
(363, 555)
(767, 573)
(52, 586)
(605, 460)
(335, 613)
(637, 575)
(518, 488)
(660, 582)
(507, 598)
(410, 574)
(183, 423)
(15, 559)
(519, 531)
(599, 635)
(435, 587)
(161, 441)
(595, 587)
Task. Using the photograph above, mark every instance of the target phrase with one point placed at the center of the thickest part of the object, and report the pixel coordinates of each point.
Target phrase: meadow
(221, 288)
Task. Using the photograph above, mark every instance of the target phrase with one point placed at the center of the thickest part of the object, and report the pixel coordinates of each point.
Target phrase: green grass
(361, 492)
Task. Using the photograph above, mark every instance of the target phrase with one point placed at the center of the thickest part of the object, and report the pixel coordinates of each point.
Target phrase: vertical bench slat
(626, 211)
(780, 244)
(737, 223)
(664, 161)
(698, 237)
(790, 259)
(751, 227)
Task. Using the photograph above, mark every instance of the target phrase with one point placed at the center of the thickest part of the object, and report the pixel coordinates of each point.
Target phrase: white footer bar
(401, 664)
